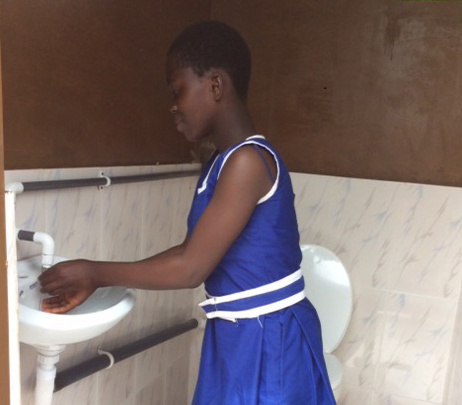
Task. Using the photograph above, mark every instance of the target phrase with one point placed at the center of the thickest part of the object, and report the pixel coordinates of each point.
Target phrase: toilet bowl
(328, 287)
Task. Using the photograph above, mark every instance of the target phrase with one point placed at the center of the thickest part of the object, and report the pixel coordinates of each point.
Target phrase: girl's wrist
(94, 273)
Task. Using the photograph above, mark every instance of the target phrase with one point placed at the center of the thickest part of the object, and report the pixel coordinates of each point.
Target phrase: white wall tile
(360, 347)
(387, 399)
(121, 223)
(116, 385)
(356, 219)
(414, 353)
(73, 220)
(399, 242)
(176, 378)
(356, 396)
(428, 256)
(453, 389)
(153, 394)
(28, 356)
(401, 246)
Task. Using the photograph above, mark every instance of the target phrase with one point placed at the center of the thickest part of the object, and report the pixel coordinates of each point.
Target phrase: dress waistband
(258, 301)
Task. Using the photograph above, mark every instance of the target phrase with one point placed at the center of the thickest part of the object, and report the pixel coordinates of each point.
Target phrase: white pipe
(48, 248)
(15, 187)
(13, 321)
(47, 242)
(46, 373)
(45, 384)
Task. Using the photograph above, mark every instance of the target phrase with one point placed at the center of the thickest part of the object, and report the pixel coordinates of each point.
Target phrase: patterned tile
(399, 243)
(414, 354)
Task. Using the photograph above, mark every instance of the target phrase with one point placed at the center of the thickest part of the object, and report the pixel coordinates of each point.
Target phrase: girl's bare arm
(242, 182)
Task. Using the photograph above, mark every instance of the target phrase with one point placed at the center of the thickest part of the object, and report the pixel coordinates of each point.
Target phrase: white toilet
(328, 287)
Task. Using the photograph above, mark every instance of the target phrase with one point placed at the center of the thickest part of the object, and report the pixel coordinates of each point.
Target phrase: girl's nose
(173, 109)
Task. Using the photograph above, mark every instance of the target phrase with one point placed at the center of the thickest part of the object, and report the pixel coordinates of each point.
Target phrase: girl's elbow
(195, 284)
(195, 271)
(196, 276)
(195, 280)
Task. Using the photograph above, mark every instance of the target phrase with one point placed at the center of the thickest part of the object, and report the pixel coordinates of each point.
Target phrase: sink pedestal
(47, 358)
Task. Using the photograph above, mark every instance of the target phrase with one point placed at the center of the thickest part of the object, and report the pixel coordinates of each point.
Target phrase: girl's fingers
(47, 277)
(53, 285)
(54, 288)
(57, 304)
(65, 300)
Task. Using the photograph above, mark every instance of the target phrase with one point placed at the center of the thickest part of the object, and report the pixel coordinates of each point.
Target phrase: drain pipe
(46, 373)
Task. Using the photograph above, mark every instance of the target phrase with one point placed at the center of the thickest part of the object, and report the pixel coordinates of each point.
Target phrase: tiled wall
(121, 222)
(401, 244)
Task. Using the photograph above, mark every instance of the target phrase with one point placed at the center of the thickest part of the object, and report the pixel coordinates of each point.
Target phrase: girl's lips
(178, 120)
(178, 124)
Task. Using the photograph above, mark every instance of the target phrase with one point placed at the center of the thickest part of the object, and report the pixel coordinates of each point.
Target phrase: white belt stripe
(257, 311)
(276, 285)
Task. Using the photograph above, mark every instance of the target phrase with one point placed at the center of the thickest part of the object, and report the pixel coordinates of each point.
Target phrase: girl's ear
(217, 82)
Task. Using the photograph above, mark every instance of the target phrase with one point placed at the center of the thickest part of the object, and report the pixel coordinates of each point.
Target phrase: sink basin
(103, 309)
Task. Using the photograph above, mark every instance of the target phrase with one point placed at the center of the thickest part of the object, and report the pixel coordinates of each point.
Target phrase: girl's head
(213, 44)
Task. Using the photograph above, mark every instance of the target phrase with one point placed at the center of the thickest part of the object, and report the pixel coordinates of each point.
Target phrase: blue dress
(262, 342)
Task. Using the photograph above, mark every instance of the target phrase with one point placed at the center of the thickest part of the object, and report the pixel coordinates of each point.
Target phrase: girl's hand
(62, 303)
(70, 283)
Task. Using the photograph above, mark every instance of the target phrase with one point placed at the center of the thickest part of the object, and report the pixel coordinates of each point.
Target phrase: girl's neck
(233, 129)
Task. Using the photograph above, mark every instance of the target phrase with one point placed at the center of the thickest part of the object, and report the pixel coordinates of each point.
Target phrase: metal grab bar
(102, 181)
(107, 359)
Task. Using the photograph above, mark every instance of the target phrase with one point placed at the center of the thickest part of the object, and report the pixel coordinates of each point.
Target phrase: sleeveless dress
(262, 341)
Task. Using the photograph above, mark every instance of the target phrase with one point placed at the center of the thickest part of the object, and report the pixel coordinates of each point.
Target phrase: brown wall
(342, 88)
(84, 81)
(357, 88)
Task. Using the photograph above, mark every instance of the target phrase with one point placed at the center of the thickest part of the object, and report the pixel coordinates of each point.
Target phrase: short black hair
(214, 44)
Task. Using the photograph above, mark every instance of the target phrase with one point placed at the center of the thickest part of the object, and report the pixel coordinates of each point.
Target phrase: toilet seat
(334, 370)
(328, 287)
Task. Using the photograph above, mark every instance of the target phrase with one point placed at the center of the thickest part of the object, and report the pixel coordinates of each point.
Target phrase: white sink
(104, 309)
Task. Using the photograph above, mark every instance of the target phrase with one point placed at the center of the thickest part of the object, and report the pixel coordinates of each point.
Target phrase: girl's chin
(191, 137)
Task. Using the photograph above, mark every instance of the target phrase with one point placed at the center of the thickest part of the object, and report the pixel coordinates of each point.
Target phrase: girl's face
(193, 102)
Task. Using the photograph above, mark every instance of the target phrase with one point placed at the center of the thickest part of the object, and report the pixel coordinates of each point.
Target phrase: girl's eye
(176, 94)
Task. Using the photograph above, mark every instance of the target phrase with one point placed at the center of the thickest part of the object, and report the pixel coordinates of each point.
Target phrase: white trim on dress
(249, 141)
(204, 183)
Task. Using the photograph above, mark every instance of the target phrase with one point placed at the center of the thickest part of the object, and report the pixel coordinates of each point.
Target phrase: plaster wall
(84, 82)
(357, 89)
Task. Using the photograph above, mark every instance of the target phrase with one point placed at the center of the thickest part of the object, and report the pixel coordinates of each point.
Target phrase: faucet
(47, 242)
(48, 248)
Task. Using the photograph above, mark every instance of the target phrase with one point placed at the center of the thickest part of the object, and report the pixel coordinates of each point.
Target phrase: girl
(262, 342)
